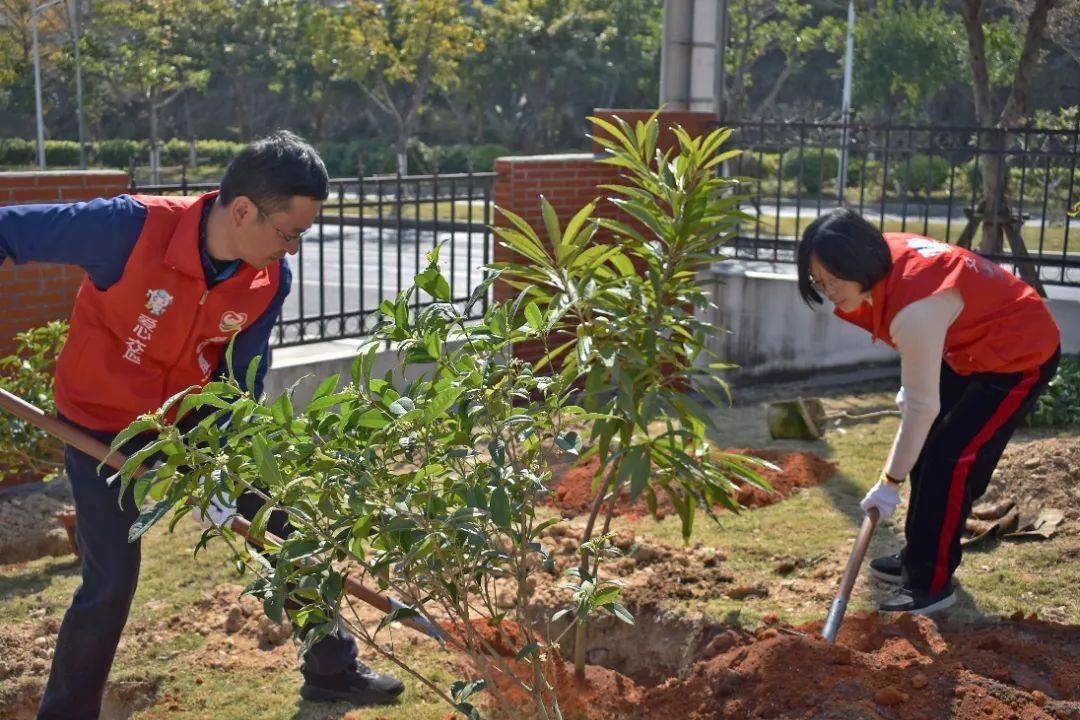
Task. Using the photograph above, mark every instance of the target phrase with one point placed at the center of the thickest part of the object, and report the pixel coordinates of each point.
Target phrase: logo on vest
(928, 248)
(232, 321)
(157, 301)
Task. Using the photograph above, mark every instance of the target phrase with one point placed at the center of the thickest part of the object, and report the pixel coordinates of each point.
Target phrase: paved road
(343, 271)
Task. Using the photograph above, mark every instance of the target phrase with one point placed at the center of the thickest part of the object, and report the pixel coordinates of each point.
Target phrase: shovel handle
(98, 450)
(854, 563)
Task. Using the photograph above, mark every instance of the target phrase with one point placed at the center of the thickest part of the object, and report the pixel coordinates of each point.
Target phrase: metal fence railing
(370, 240)
(922, 179)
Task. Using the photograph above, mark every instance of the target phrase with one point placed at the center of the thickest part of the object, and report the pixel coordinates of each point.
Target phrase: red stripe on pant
(959, 477)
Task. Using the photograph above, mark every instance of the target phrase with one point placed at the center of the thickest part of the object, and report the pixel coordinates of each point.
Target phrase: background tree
(759, 28)
(1031, 23)
(399, 53)
(145, 51)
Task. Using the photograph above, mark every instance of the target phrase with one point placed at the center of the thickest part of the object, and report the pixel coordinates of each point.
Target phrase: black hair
(274, 169)
(848, 246)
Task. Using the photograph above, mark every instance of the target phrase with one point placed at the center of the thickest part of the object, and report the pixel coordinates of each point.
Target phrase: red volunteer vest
(158, 330)
(1004, 327)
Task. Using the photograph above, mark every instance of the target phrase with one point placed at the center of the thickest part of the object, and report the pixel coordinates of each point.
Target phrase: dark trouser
(979, 413)
(91, 628)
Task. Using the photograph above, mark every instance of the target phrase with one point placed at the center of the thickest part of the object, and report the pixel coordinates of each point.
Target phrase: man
(169, 282)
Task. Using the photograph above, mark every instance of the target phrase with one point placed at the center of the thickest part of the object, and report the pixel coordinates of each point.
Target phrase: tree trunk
(155, 158)
(403, 152)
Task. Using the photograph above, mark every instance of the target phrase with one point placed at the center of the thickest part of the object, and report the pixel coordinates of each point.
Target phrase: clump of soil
(649, 571)
(1040, 474)
(573, 493)
(237, 631)
(29, 528)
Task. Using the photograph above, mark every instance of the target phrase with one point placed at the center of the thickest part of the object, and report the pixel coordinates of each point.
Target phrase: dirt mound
(904, 667)
(1040, 474)
(29, 528)
(573, 493)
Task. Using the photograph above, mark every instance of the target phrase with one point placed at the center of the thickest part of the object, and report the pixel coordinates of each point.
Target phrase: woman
(977, 346)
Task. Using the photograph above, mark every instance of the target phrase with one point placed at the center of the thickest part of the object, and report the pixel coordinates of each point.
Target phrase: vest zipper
(202, 300)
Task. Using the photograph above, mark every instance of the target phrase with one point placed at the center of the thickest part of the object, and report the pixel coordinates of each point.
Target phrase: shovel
(98, 450)
(858, 551)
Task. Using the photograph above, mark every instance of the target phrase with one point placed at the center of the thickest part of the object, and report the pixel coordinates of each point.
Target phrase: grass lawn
(814, 528)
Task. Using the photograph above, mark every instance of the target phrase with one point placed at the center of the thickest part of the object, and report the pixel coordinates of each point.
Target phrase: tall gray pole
(845, 112)
(37, 86)
(721, 59)
(73, 14)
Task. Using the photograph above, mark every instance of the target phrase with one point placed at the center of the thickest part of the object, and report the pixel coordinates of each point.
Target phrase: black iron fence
(920, 179)
(369, 241)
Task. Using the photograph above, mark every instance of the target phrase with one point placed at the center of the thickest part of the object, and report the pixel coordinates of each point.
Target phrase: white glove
(218, 514)
(900, 402)
(884, 496)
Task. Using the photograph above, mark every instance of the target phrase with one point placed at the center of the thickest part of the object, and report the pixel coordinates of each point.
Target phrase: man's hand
(884, 496)
(218, 514)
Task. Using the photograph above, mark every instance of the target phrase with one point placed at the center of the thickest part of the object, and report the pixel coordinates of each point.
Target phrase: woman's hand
(884, 496)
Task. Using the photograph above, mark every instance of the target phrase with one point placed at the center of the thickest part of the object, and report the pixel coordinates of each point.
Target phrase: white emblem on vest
(928, 248)
(157, 301)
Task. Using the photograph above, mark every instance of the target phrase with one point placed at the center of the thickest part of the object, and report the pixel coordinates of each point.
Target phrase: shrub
(814, 168)
(919, 173)
(217, 152)
(176, 151)
(119, 152)
(17, 151)
(61, 152)
(484, 156)
(1060, 404)
(28, 374)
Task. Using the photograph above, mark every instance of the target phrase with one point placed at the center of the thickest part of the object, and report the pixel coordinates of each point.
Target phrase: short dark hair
(848, 246)
(274, 169)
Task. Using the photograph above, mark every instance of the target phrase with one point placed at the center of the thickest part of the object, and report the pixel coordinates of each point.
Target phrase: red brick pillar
(35, 293)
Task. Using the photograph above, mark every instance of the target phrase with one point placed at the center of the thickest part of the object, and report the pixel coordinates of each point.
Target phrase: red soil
(902, 668)
(573, 491)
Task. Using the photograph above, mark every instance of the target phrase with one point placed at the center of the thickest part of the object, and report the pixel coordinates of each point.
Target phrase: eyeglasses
(285, 238)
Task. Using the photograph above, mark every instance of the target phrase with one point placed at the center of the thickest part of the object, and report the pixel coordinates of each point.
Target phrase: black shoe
(359, 685)
(919, 602)
(887, 569)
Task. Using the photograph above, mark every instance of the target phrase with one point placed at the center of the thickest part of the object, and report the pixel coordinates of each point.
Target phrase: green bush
(1060, 404)
(919, 173)
(216, 152)
(484, 156)
(814, 169)
(17, 151)
(61, 152)
(118, 152)
(176, 151)
(28, 374)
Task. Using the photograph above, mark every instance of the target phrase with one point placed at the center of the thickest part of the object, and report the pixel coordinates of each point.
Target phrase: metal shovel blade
(858, 552)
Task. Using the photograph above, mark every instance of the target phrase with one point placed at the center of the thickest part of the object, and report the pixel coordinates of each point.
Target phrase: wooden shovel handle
(858, 552)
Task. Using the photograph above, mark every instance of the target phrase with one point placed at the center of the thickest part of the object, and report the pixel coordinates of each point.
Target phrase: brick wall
(569, 182)
(35, 293)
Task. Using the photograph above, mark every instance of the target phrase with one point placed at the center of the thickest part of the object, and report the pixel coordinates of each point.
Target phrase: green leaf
(534, 316)
(397, 615)
(500, 507)
(267, 463)
(326, 387)
(147, 518)
(461, 691)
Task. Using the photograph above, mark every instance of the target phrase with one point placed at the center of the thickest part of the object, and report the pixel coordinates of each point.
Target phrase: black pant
(91, 628)
(979, 414)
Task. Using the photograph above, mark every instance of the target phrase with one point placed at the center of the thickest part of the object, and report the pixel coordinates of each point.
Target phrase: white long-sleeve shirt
(918, 332)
